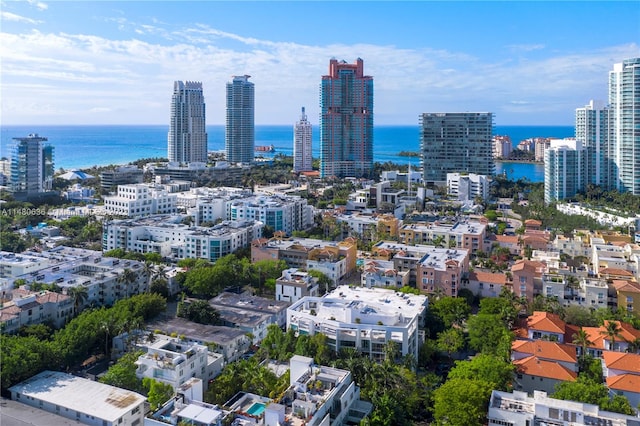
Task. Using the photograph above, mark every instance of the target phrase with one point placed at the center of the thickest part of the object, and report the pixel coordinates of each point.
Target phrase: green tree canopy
(462, 402)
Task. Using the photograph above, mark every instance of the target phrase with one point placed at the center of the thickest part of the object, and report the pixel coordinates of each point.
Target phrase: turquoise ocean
(78, 147)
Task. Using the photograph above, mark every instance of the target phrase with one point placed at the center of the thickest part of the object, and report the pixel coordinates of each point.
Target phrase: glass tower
(240, 131)
(346, 121)
(456, 142)
(32, 165)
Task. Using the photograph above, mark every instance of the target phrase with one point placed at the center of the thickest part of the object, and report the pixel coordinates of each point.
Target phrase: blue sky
(114, 62)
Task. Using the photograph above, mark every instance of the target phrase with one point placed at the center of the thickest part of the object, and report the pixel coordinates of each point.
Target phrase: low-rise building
(168, 237)
(295, 284)
(228, 341)
(561, 353)
(518, 408)
(382, 273)
(80, 399)
(365, 319)
(122, 175)
(444, 270)
(628, 295)
(140, 200)
(468, 235)
(536, 374)
(467, 187)
(29, 308)
(173, 361)
(485, 284)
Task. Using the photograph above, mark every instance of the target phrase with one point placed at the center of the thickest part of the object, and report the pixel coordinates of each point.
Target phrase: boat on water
(265, 148)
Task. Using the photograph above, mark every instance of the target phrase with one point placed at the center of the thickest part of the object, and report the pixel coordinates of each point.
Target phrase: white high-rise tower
(187, 139)
(240, 130)
(624, 101)
(302, 158)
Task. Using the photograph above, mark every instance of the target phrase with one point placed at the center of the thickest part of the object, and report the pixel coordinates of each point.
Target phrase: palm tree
(79, 294)
(634, 346)
(581, 338)
(127, 278)
(612, 331)
(148, 269)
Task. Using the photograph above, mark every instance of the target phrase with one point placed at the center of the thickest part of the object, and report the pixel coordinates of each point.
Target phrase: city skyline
(110, 62)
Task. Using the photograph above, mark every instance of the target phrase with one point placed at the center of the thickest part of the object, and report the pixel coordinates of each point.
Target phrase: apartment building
(467, 235)
(382, 273)
(168, 237)
(518, 408)
(81, 400)
(365, 319)
(29, 307)
(140, 200)
(295, 284)
(173, 361)
(468, 186)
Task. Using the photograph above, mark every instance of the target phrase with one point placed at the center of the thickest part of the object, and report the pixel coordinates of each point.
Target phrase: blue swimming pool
(256, 409)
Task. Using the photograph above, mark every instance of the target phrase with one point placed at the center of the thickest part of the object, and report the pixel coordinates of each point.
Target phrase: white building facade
(302, 142)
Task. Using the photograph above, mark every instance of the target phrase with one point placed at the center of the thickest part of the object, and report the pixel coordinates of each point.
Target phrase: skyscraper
(31, 165)
(565, 169)
(240, 132)
(624, 101)
(187, 139)
(593, 125)
(455, 142)
(302, 159)
(346, 121)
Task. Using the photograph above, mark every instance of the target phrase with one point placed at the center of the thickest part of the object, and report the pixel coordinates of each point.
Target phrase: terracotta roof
(546, 350)
(507, 239)
(545, 321)
(488, 277)
(622, 361)
(527, 264)
(626, 286)
(534, 366)
(628, 333)
(533, 222)
(625, 382)
(615, 271)
(597, 336)
(532, 238)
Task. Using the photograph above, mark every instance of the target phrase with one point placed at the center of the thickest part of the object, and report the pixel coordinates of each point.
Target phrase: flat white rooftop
(86, 396)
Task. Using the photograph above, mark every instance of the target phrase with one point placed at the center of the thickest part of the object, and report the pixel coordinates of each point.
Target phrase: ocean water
(79, 147)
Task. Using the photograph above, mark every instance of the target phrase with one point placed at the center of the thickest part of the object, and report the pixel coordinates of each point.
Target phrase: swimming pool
(256, 409)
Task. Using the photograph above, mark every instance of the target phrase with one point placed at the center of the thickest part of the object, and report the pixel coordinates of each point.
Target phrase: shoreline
(539, 163)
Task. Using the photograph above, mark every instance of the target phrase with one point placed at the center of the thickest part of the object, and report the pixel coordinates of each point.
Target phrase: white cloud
(38, 4)
(129, 80)
(525, 47)
(8, 16)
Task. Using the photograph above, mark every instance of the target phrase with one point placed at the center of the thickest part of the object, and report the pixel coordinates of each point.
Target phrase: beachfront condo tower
(302, 159)
(456, 142)
(346, 121)
(187, 139)
(566, 163)
(624, 101)
(593, 124)
(240, 132)
(31, 165)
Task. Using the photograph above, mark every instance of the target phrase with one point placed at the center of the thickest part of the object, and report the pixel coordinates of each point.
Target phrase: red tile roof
(615, 271)
(545, 321)
(622, 361)
(507, 239)
(625, 382)
(546, 350)
(627, 286)
(528, 265)
(534, 366)
(488, 277)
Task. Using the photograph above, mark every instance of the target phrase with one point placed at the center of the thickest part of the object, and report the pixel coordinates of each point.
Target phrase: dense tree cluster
(89, 333)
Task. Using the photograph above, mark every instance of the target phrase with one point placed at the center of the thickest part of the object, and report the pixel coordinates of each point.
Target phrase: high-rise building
(565, 168)
(456, 142)
(31, 165)
(346, 121)
(240, 132)
(593, 130)
(302, 159)
(624, 101)
(187, 139)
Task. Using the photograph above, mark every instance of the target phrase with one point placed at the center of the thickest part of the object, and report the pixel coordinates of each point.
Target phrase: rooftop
(86, 396)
